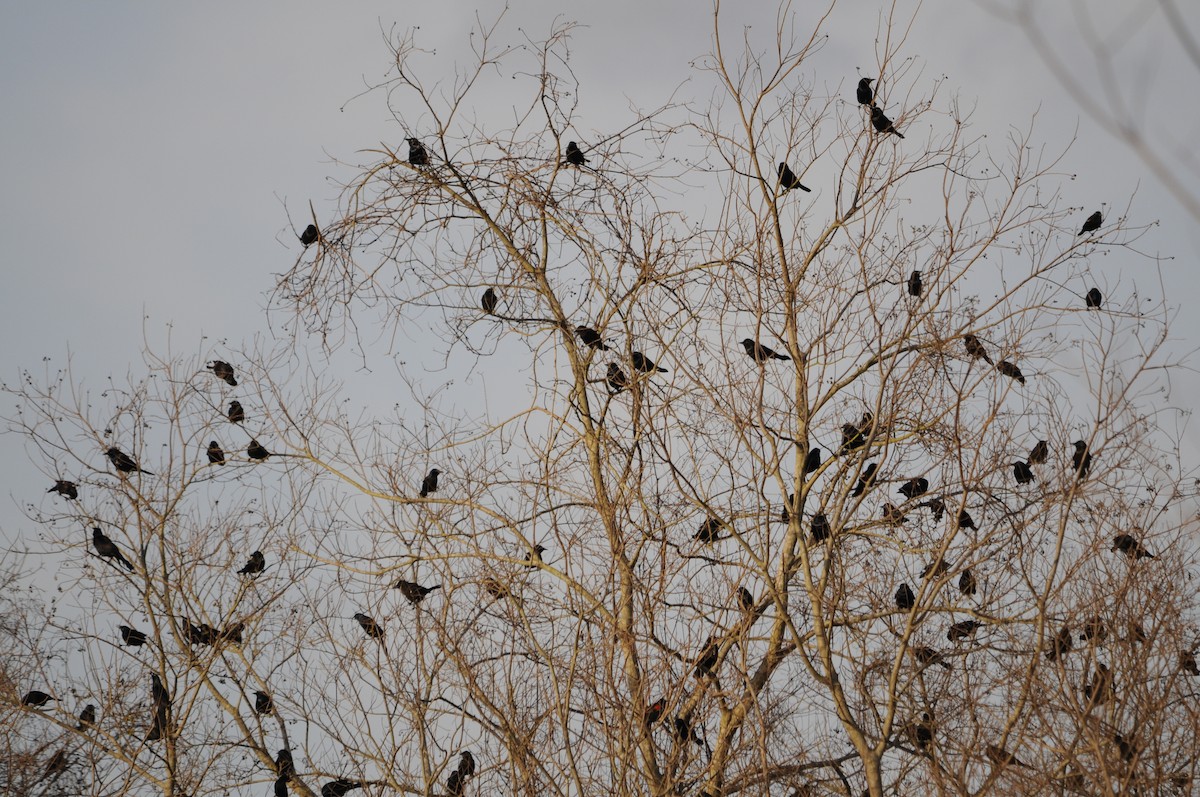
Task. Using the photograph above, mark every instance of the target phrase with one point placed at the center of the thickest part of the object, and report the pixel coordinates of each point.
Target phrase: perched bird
(216, 455)
(417, 156)
(430, 483)
(820, 528)
(263, 704)
(1061, 645)
(937, 569)
(709, 531)
(1092, 224)
(123, 462)
(414, 592)
(202, 634)
(684, 731)
(745, 599)
(927, 656)
(1126, 748)
(310, 235)
(281, 789)
(57, 765)
(232, 633)
(224, 370)
(935, 505)
(590, 338)
(466, 764)
(236, 413)
(1092, 300)
(1099, 688)
(1039, 453)
(915, 287)
(1129, 546)
(1094, 628)
(865, 479)
(575, 154)
(905, 599)
(654, 711)
(893, 516)
(914, 488)
(1022, 472)
(1002, 758)
(644, 364)
(255, 564)
(812, 460)
(372, 628)
(966, 582)
(107, 548)
(963, 629)
(36, 698)
(256, 451)
(882, 123)
(285, 767)
(488, 302)
(616, 379)
(1187, 662)
(866, 94)
(965, 521)
(455, 784)
(1010, 370)
(68, 490)
(789, 180)
(1081, 459)
(132, 637)
(707, 659)
(534, 557)
(785, 516)
(976, 349)
(495, 588)
(87, 717)
(339, 787)
(921, 733)
(761, 353)
(855, 435)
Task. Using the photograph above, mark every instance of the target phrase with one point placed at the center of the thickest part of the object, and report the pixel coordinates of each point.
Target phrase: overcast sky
(151, 151)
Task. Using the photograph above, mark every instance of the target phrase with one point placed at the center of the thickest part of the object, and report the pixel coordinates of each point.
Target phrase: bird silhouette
(57, 765)
(745, 599)
(852, 437)
(976, 349)
(905, 599)
(882, 123)
(488, 302)
(709, 531)
(202, 634)
(921, 733)
(232, 633)
(866, 94)
(789, 180)
(263, 703)
(224, 370)
(1010, 370)
(590, 338)
(915, 287)
(616, 379)
(281, 789)
(784, 515)
(865, 479)
(963, 629)
(820, 528)
(1002, 758)
(466, 764)
(372, 628)
(1094, 628)
(965, 521)
(1039, 453)
(966, 582)
(761, 353)
(575, 154)
(1187, 662)
(927, 656)
(1092, 224)
(935, 505)
(684, 731)
(107, 548)
(236, 414)
(1061, 645)
(707, 659)
(1022, 472)
(87, 717)
(256, 451)
(36, 698)
(430, 483)
(914, 488)
(255, 564)
(1129, 546)
(893, 516)
(123, 462)
(216, 455)
(644, 364)
(455, 784)
(654, 711)
(1081, 459)
(131, 637)
(417, 156)
(1092, 300)
(310, 235)
(414, 592)
(495, 588)
(1099, 688)
(285, 767)
(339, 787)
(534, 557)
(937, 569)
(68, 490)
(812, 460)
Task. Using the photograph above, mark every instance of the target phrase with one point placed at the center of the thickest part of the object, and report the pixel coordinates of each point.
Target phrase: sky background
(152, 153)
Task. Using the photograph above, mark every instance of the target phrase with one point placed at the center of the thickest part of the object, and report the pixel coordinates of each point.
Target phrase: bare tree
(701, 483)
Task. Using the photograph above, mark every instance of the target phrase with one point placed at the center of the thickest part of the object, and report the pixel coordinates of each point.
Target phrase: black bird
(232, 633)
(745, 599)
(158, 692)
(1187, 662)
(853, 436)
(255, 564)
(893, 516)
(1094, 628)
(1098, 689)
(236, 413)
(281, 789)
(414, 592)
(107, 548)
(966, 583)
(216, 455)
(882, 123)
(495, 588)
(644, 364)
(1093, 299)
(761, 353)
(123, 462)
(685, 732)
(466, 764)
(430, 483)
(1092, 224)
(339, 787)
(1022, 472)
(1126, 748)
(962, 629)
(785, 516)
(1129, 546)
(864, 480)
(812, 460)
(36, 698)
(820, 528)
(1061, 646)
(66, 489)
(285, 767)
(921, 733)
(709, 531)
(202, 634)
(590, 338)
(132, 637)
(1039, 454)
(372, 628)
(914, 488)
(488, 302)
(976, 349)
(263, 704)
(866, 94)
(927, 656)
(914, 284)
(87, 717)
(310, 235)
(256, 451)
(224, 370)
(789, 180)
(575, 154)
(57, 764)
(534, 557)
(937, 568)
(454, 784)
(1002, 758)
(707, 659)
(1081, 459)
(935, 505)
(616, 378)
(1010, 370)
(965, 521)
(417, 156)
(655, 711)
(905, 599)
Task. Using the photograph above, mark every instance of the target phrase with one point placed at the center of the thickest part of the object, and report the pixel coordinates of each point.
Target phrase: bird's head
(748, 343)
(434, 472)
